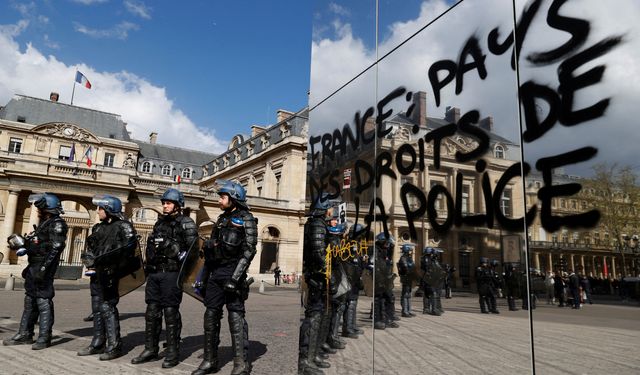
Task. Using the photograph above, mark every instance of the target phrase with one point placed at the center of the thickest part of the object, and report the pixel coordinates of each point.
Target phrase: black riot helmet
(236, 192)
(173, 195)
(110, 204)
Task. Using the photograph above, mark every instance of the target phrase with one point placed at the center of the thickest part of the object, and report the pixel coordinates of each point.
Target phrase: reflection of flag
(605, 270)
(72, 153)
(87, 154)
(81, 79)
(177, 178)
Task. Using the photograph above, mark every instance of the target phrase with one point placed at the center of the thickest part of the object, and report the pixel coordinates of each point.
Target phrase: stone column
(9, 223)
(613, 267)
(604, 261)
(572, 263)
(33, 220)
(593, 266)
(536, 260)
(550, 259)
(584, 271)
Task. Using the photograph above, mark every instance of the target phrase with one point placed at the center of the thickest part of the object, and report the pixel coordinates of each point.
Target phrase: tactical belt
(34, 259)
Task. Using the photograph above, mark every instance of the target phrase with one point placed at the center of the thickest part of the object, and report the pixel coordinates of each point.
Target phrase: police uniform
(43, 247)
(405, 270)
(228, 254)
(383, 300)
(111, 241)
(354, 267)
(173, 236)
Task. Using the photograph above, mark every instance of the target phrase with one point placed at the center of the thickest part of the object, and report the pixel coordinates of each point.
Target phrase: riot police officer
(485, 280)
(383, 300)
(337, 282)
(405, 270)
(432, 279)
(111, 241)
(174, 234)
(512, 284)
(310, 361)
(228, 254)
(448, 279)
(497, 285)
(354, 266)
(43, 247)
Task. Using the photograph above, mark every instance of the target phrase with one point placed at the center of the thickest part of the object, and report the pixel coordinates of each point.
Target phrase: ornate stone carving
(66, 130)
(129, 162)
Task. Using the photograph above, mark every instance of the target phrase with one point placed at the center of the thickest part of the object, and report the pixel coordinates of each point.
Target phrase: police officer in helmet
(43, 248)
(406, 267)
(384, 299)
(174, 234)
(111, 240)
(228, 254)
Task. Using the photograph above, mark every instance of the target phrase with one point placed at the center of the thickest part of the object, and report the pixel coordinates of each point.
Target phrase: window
(465, 199)
(64, 153)
(505, 203)
(499, 152)
(109, 158)
(15, 145)
(439, 204)
(166, 170)
(186, 173)
(146, 167)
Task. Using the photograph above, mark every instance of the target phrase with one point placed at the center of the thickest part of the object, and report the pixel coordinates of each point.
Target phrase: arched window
(186, 173)
(499, 152)
(146, 167)
(166, 170)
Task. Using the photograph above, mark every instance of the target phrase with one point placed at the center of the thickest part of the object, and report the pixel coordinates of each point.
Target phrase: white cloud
(50, 43)
(338, 9)
(337, 59)
(89, 2)
(144, 106)
(25, 9)
(119, 31)
(138, 8)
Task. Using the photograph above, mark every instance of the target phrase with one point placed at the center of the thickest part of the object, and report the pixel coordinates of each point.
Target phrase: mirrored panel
(336, 335)
(448, 178)
(578, 96)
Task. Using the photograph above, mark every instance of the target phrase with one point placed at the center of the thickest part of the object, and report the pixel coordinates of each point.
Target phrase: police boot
(511, 301)
(333, 338)
(98, 340)
(111, 318)
(378, 314)
(45, 308)
(391, 309)
(239, 341)
(27, 322)
(354, 318)
(483, 305)
(493, 305)
(323, 333)
(432, 306)
(390, 314)
(152, 328)
(308, 345)
(438, 304)
(425, 304)
(173, 325)
(211, 341)
(349, 328)
(411, 314)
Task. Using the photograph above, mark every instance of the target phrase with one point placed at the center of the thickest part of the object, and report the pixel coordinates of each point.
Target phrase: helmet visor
(100, 200)
(35, 197)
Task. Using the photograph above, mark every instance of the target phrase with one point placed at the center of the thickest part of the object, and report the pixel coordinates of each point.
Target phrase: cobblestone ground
(598, 339)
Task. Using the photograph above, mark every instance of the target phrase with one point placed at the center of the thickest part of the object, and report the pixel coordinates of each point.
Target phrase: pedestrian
(276, 275)
(173, 235)
(43, 248)
(574, 288)
(111, 240)
(228, 254)
(548, 284)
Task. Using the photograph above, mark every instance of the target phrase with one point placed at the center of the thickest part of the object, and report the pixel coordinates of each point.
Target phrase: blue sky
(218, 66)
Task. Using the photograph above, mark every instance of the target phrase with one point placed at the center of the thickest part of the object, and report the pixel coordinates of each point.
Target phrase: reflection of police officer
(353, 268)
(314, 269)
(43, 247)
(431, 282)
(485, 280)
(338, 280)
(228, 255)
(512, 285)
(406, 266)
(448, 280)
(172, 237)
(383, 300)
(111, 240)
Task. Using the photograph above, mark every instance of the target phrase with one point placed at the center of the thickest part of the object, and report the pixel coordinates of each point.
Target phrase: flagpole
(73, 91)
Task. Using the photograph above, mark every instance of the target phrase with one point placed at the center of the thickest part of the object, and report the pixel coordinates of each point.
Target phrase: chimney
(283, 115)
(153, 137)
(419, 113)
(256, 129)
(452, 114)
(487, 123)
(54, 96)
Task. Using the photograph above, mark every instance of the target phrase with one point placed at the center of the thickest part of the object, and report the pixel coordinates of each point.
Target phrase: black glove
(230, 286)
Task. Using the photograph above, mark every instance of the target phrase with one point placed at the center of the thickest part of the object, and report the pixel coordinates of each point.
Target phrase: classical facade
(75, 153)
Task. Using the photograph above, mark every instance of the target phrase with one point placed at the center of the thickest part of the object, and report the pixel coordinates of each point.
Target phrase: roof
(39, 111)
(174, 154)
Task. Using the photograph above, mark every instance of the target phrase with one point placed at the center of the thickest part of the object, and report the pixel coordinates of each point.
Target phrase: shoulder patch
(239, 222)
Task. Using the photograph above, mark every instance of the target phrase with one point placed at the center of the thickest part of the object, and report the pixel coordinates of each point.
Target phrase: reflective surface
(437, 126)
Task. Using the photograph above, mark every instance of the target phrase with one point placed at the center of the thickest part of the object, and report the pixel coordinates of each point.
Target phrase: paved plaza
(599, 339)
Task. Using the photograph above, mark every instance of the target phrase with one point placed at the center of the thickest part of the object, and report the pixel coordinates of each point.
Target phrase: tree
(613, 190)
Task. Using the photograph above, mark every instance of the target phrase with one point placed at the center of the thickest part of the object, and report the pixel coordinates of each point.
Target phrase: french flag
(81, 79)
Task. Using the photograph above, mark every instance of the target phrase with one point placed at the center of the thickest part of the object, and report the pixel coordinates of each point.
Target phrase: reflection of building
(463, 245)
(46, 146)
(595, 251)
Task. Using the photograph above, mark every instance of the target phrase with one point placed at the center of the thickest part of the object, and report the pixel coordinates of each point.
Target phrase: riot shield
(132, 273)
(434, 275)
(192, 271)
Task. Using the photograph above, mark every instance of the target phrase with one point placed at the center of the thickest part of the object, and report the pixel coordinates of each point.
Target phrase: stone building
(75, 153)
